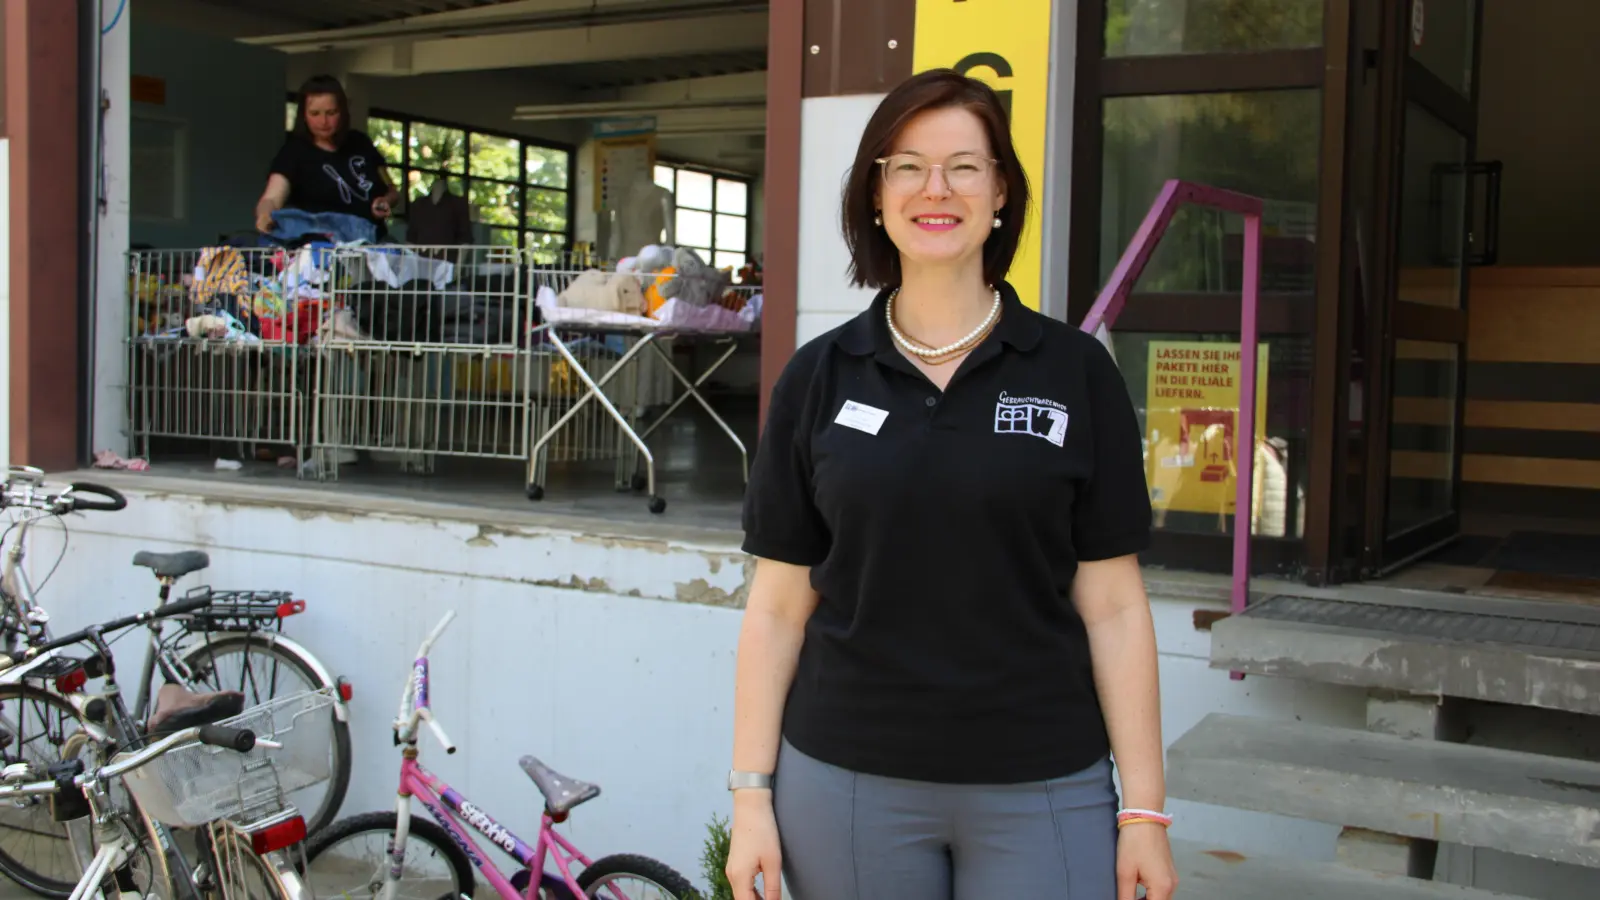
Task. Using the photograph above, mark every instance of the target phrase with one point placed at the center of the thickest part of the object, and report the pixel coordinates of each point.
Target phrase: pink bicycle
(378, 855)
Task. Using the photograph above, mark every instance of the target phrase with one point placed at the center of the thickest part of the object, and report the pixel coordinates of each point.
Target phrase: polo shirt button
(933, 401)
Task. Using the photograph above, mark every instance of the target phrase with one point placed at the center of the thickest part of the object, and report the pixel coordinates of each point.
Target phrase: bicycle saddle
(172, 565)
(561, 793)
(178, 708)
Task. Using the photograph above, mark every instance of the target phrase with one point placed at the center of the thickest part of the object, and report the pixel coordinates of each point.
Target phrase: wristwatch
(738, 780)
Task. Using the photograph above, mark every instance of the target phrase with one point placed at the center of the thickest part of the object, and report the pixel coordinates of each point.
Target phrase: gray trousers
(847, 836)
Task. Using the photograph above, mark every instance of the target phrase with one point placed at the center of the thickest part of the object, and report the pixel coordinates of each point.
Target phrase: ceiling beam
(520, 16)
(735, 87)
(639, 40)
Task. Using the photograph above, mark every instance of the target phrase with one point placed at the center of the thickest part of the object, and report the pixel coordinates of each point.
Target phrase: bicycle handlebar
(415, 707)
(114, 501)
(240, 739)
(26, 490)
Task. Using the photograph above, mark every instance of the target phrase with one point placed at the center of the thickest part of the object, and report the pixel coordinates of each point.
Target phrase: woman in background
(324, 167)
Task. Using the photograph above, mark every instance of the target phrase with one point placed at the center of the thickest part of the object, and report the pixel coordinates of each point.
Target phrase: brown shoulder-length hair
(874, 260)
(322, 84)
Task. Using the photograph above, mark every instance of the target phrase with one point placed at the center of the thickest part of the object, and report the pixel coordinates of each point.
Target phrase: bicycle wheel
(35, 850)
(654, 880)
(237, 873)
(262, 669)
(348, 860)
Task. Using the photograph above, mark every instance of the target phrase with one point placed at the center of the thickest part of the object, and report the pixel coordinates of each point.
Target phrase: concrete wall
(608, 655)
(228, 99)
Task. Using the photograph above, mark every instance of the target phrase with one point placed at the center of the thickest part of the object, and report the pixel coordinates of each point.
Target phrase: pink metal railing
(1114, 296)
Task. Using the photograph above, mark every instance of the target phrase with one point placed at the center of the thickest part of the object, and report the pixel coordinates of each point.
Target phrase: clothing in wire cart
(615, 385)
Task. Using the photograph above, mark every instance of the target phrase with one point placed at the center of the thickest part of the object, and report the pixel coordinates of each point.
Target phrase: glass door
(1426, 188)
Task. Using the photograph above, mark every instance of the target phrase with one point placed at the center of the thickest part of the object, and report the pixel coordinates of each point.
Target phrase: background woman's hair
(874, 260)
(322, 84)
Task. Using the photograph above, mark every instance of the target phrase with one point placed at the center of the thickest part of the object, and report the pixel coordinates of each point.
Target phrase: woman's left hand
(1144, 856)
(381, 207)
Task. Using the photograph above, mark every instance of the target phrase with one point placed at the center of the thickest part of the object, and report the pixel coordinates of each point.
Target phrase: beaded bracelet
(1138, 816)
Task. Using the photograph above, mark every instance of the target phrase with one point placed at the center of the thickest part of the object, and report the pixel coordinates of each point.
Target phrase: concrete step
(1539, 806)
(1206, 872)
(1519, 652)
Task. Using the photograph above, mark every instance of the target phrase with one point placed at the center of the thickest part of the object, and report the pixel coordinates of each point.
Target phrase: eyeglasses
(965, 173)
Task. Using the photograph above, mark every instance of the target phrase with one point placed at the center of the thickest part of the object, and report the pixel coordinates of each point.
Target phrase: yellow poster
(1191, 422)
(1006, 44)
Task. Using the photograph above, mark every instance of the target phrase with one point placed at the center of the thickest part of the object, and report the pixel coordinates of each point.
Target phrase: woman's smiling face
(938, 192)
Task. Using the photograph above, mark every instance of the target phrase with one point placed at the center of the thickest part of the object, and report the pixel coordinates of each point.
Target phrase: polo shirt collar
(868, 333)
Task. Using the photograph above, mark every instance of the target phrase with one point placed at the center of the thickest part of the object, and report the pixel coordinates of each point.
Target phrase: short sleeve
(364, 146)
(284, 162)
(1111, 513)
(781, 519)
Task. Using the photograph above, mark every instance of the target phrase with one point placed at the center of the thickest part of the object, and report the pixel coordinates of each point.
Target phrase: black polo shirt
(943, 531)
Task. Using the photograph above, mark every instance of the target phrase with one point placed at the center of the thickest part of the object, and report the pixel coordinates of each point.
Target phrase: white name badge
(861, 417)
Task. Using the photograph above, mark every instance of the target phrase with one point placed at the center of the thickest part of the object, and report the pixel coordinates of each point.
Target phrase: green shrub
(714, 859)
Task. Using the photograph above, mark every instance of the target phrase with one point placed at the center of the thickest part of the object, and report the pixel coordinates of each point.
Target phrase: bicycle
(381, 875)
(237, 629)
(236, 805)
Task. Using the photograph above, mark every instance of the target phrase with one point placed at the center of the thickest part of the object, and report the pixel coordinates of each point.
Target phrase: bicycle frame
(455, 813)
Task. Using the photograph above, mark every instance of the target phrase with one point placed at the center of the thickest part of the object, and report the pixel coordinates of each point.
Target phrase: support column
(1407, 716)
(41, 101)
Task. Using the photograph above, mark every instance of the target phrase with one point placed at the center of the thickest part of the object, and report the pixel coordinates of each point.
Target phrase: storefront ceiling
(627, 73)
(345, 13)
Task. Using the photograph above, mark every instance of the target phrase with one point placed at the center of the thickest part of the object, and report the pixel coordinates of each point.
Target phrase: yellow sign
(1191, 420)
(1006, 44)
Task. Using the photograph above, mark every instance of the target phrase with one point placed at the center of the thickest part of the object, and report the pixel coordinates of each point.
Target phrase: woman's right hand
(753, 848)
(264, 222)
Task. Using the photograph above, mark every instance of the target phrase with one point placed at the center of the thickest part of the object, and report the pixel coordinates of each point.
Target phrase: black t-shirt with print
(346, 180)
(944, 531)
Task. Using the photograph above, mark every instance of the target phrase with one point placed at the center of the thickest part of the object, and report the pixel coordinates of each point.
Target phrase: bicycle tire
(261, 642)
(383, 824)
(43, 884)
(641, 867)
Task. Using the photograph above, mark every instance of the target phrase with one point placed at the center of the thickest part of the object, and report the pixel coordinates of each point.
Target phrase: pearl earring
(997, 221)
(877, 220)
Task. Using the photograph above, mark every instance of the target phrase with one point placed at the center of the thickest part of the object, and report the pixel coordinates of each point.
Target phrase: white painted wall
(830, 129)
(110, 229)
(5, 302)
(608, 657)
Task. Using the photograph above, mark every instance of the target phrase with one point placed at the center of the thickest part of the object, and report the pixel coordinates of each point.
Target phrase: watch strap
(738, 780)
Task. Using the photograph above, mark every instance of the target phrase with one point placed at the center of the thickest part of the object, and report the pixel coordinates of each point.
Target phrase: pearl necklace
(971, 337)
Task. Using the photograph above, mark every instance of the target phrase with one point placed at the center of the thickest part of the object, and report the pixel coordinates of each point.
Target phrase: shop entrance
(1425, 117)
(1477, 466)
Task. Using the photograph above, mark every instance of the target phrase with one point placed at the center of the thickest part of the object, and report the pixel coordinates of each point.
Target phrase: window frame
(1099, 78)
(716, 175)
(522, 229)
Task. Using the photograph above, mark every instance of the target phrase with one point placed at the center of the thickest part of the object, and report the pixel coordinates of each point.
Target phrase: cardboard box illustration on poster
(1191, 423)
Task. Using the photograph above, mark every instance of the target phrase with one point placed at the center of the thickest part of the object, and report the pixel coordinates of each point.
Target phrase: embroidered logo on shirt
(1031, 415)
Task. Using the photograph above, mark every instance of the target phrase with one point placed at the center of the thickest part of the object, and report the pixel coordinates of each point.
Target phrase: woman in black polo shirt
(947, 635)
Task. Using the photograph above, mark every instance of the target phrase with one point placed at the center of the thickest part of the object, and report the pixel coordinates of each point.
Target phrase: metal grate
(1436, 624)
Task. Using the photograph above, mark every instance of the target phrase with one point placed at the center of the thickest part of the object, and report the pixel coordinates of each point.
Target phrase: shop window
(1157, 27)
(517, 190)
(1187, 406)
(1261, 143)
(713, 213)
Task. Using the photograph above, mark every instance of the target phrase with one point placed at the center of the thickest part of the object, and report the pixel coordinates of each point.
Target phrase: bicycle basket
(193, 784)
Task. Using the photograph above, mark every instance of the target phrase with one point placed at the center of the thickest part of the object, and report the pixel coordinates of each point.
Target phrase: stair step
(1482, 648)
(1539, 806)
(1206, 872)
